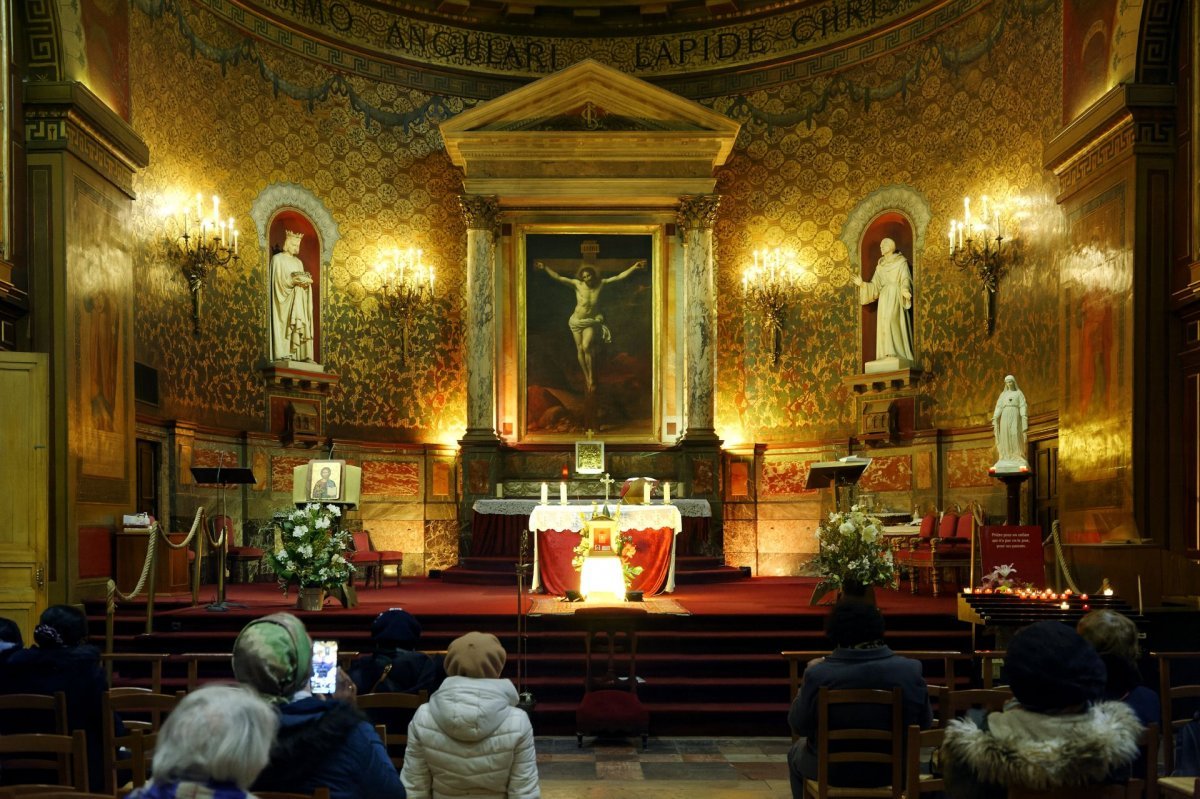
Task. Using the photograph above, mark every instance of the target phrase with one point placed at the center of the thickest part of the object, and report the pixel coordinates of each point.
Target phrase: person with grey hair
(212, 746)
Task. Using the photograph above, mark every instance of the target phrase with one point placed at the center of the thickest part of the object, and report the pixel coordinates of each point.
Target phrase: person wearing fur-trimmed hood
(1056, 733)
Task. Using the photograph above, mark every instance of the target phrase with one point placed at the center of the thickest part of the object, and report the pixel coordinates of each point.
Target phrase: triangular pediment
(568, 133)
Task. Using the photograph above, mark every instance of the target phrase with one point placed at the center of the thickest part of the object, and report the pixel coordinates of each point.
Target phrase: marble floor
(668, 768)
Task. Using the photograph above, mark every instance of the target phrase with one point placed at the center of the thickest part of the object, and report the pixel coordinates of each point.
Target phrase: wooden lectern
(222, 477)
(839, 474)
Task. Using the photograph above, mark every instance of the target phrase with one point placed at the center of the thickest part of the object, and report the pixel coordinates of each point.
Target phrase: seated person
(213, 745)
(322, 741)
(1058, 731)
(470, 739)
(10, 638)
(62, 660)
(860, 660)
(395, 666)
(1115, 638)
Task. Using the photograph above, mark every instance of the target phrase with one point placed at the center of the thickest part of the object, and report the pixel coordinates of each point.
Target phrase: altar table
(497, 524)
(556, 533)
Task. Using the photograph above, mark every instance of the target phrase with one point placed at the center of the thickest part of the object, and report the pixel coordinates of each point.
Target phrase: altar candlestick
(667, 493)
(499, 490)
(545, 494)
(646, 492)
(562, 492)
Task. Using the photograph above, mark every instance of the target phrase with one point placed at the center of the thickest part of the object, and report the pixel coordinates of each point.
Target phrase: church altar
(497, 524)
(556, 533)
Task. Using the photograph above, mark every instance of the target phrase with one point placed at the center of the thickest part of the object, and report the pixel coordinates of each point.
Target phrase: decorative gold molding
(479, 212)
(66, 116)
(698, 212)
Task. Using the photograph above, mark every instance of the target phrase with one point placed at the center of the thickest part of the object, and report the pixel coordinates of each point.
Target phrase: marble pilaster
(481, 215)
(695, 217)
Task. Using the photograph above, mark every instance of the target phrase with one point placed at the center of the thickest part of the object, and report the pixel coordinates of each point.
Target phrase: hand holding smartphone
(324, 667)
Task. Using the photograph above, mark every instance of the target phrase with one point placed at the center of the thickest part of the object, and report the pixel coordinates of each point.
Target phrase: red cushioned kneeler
(610, 705)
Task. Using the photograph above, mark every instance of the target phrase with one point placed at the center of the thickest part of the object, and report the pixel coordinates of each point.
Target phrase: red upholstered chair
(947, 548)
(235, 556)
(365, 559)
(610, 703)
(387, 557)
(905, 546)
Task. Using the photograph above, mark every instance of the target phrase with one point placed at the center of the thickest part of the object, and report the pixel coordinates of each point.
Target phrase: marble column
(696, 216)
(481, 215)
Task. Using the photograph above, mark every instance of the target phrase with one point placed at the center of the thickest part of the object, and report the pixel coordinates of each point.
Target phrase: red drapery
(555, 550)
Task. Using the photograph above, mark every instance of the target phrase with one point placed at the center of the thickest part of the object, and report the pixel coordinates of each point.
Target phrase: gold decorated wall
(231, 135)
(810, 150)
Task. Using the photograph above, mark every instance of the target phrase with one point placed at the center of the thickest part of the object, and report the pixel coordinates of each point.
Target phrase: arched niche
(902, 214)
(289, 220)
(288, 206)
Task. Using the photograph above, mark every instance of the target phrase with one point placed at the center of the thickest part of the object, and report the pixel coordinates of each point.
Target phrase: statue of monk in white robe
(892, 287)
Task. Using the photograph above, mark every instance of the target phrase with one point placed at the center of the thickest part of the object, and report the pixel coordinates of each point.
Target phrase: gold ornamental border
(368, 41)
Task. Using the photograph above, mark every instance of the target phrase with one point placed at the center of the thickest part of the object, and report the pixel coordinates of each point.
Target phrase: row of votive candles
(562, 493)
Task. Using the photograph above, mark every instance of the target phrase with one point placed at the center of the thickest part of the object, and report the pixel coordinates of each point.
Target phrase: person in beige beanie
(470, 738)
(478, 655)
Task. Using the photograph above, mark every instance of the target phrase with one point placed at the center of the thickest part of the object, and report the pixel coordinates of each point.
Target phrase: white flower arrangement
(312, 551)
(853, 551)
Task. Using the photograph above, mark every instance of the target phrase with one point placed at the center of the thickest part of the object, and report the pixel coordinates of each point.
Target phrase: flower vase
(311, 598)
(855, 591)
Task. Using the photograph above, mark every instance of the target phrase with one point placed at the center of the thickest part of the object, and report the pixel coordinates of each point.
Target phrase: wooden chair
(1174, 717)
(1185, 787)
(950, 548)
(141, 734)
(904, 546)
(859, 747)
(236, 557)
(16, 709)
(363, 557)
(989, 662)
(319, 793)
(69, 762)
(610, 702)
(1130, 790)
(915, 781)
(953, 704)
(151, 662)
(388, 706)
(195, 659)
(387, 557)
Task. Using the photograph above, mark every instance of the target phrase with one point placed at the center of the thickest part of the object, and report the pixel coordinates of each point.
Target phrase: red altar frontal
(556, 533)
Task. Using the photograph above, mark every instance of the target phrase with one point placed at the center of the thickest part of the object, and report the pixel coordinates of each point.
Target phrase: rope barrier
(112, 593)
(1062, 561)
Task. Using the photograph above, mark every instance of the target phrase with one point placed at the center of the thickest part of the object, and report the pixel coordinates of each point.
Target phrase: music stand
(837, 474)
(222, 477)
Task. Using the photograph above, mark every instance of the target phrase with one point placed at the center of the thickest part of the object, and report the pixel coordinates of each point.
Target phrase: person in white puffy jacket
(470, 738)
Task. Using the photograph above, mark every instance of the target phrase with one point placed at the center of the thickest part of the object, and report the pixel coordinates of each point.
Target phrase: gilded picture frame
(589, 457)
(325, 481)
(609, 321)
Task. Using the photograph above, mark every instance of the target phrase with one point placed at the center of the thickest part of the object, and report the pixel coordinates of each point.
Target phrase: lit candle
(952, 237)
(967, 590)
(185, 219)
(1108, 592)
(545, 494)
(667, 493)
(562, 492)
(1065, 606)
(499, 490)
(646, 492)
(966, 211)
(235, 241)
(1083, 597)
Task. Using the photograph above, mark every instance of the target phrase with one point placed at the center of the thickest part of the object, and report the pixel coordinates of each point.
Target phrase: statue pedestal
(1012, 483)
(891, 363)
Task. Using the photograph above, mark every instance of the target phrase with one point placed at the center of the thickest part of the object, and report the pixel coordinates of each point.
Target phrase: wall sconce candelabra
(977, 245)
(769, 283)
(406, 285)
(207, 243)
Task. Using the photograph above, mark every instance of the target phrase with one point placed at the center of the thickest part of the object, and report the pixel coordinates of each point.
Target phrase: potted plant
(311, 552)
(853, 555)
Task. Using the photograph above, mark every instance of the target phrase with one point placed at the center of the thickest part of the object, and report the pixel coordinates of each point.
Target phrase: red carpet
(715, 672)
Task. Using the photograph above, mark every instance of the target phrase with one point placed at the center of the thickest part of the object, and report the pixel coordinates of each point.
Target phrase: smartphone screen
(324, 667)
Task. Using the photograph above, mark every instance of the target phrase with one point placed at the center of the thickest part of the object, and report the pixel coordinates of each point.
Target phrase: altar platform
(712, 666)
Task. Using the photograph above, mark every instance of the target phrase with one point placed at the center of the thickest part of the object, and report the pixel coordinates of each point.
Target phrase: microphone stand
(525, 699)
